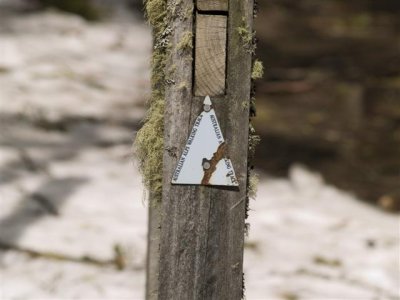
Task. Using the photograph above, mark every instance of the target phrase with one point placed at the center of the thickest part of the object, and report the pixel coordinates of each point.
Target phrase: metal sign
(203, 160)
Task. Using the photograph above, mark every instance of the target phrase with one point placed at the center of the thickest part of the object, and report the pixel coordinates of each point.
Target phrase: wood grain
(177, 251)
(210, 55)
(153, 251)
(202, 228)
(212, 5)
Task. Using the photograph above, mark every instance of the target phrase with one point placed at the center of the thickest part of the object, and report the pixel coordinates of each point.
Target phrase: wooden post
(202, 228)
(153, 251)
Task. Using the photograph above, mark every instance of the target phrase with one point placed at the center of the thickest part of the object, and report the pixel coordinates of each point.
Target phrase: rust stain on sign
(213, 164)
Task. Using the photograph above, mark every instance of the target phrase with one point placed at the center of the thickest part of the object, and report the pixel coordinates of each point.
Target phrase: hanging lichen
(149, 140)
(254, 140)
(186, 42)
(248, 37)
(249, 43)
(258, 70)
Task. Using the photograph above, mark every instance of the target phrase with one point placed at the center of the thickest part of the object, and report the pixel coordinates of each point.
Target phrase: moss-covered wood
(149, 142)
(202, 228)
(195, 233)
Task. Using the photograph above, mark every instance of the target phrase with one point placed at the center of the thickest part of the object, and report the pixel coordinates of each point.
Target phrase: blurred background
(330, 97)
(74, 80)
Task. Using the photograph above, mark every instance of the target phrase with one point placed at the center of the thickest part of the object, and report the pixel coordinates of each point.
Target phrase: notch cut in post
(212, 5)
(210, 55)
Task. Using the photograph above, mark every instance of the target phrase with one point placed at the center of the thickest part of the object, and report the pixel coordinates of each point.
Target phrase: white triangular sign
(203, 160)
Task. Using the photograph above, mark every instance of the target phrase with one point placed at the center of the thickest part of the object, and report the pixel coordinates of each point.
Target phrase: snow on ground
(71, 98)
(309, 240)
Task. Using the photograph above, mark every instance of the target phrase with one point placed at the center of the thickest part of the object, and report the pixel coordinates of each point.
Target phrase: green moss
(254, 140)
(183, 86)
(252, 178)
(258, 70)
(247, 37)
(186, 42)
(245, 34)
(149, 142)
(171, 70)
(174, 10)
(188, 13)
(155, 13)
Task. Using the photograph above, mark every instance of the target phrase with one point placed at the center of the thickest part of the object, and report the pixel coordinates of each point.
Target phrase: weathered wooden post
(197, 229)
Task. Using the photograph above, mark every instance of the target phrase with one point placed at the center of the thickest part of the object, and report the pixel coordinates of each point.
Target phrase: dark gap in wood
(226, 55)
(213, 12)
(194, 53)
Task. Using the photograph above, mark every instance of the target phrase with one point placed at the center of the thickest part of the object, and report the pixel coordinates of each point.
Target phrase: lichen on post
(149, 142)
(149, 139)
(196, 233)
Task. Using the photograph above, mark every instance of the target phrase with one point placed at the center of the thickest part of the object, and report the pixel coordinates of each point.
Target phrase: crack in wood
(217, 156)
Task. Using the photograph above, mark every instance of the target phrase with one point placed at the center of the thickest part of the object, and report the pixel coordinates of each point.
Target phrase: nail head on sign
(206, 165)
(207, 104)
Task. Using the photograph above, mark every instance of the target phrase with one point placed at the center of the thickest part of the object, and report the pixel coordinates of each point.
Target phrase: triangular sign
(203, 160)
